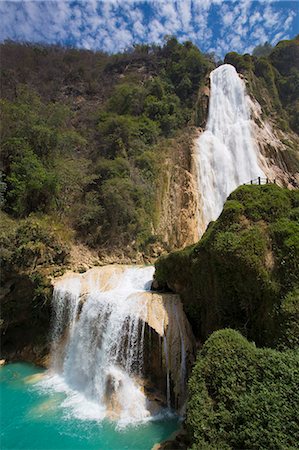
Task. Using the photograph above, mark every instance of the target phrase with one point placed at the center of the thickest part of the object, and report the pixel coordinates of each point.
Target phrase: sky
(116, 25)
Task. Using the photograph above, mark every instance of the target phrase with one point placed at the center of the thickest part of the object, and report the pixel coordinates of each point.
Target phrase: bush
(243, 397)
(36, 243)
(242, 63)
(127, 99)
(124, 135)
(285, 56)
(289, 320)
(30, 186)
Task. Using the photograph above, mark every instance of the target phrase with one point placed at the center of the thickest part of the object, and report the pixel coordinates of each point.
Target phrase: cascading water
(226, 154)
(98, 342)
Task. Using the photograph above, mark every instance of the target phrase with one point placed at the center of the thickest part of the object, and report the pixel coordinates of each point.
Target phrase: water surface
(34, 419)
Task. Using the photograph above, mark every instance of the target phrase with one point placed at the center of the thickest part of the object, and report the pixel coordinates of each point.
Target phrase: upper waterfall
(226, 154)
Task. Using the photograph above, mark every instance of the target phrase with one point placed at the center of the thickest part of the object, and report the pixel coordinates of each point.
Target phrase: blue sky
(115, 25)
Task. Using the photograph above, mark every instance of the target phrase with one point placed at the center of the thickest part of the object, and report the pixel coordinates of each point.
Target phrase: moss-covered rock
(244, 266)
(31, 251)
(241, 397)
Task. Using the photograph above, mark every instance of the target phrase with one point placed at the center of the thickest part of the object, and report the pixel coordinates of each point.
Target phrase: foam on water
(32, 418)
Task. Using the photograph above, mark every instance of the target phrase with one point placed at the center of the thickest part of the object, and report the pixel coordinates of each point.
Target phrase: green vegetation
(262, 50)
(84, 140)
(84, 135)
(241, 397)
(244, 272)
(273, 75)
(30, 250)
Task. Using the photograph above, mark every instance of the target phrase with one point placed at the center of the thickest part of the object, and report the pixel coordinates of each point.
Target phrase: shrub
(243, 397)
(36, 243)
(127, 99)
(30, 187)
(289, 320)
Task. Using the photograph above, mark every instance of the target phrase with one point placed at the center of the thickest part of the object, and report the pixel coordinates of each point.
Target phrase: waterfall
(103, 326)
(226, 155)
(66, 299)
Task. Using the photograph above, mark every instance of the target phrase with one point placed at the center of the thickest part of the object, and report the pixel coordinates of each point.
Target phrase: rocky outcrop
(243, 273)
(25, 318)
(170, 344)
(202, 106)
(278, 149)
(177, 223)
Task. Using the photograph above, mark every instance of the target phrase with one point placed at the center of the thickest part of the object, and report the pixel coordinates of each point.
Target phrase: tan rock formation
(178, 212)
(279, 155)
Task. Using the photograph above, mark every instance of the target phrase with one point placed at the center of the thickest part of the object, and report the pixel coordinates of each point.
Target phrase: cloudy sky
(115, 25)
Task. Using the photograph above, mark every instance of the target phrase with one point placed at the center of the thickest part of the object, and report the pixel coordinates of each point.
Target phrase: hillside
(97, 156)
(87, 137)
(243, 273)
(95, 161)
(109, 139)
(272, 80)
(98, 166)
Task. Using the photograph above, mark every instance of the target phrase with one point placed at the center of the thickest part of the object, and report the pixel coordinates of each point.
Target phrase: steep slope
(243, 273)
(272, 82)
(90, 139)
(226, 154)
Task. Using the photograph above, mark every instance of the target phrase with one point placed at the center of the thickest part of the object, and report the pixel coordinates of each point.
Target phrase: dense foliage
(242, 397)
(244, 272)
(83, 134)
(30, 249)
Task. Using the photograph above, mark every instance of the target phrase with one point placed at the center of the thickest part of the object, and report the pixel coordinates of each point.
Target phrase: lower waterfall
(115, 344)
(226, 154)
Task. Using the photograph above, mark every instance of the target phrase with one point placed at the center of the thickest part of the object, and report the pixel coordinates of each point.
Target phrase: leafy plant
(243, 397)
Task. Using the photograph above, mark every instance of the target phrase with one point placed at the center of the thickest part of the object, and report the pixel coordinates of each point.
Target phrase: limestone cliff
(177, 223)
(279, 148)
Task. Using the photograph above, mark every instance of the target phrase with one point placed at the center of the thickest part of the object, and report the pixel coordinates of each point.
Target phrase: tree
(30, 186)
(262, 50)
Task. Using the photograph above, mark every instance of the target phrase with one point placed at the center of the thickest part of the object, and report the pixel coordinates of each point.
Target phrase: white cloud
(114, 25)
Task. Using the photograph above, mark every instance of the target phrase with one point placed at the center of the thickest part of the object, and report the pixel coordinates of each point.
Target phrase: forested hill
(87, 138)
(85, 135)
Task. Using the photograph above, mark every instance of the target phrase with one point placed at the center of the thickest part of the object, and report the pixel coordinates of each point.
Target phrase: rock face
(25, 318)
(170, 344)
(202, 106)
(178, 213)
(278, 148)
(240, 143)
(109, 319)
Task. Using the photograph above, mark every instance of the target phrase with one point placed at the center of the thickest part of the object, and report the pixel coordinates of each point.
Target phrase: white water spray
(226, 153)
(98, 342)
